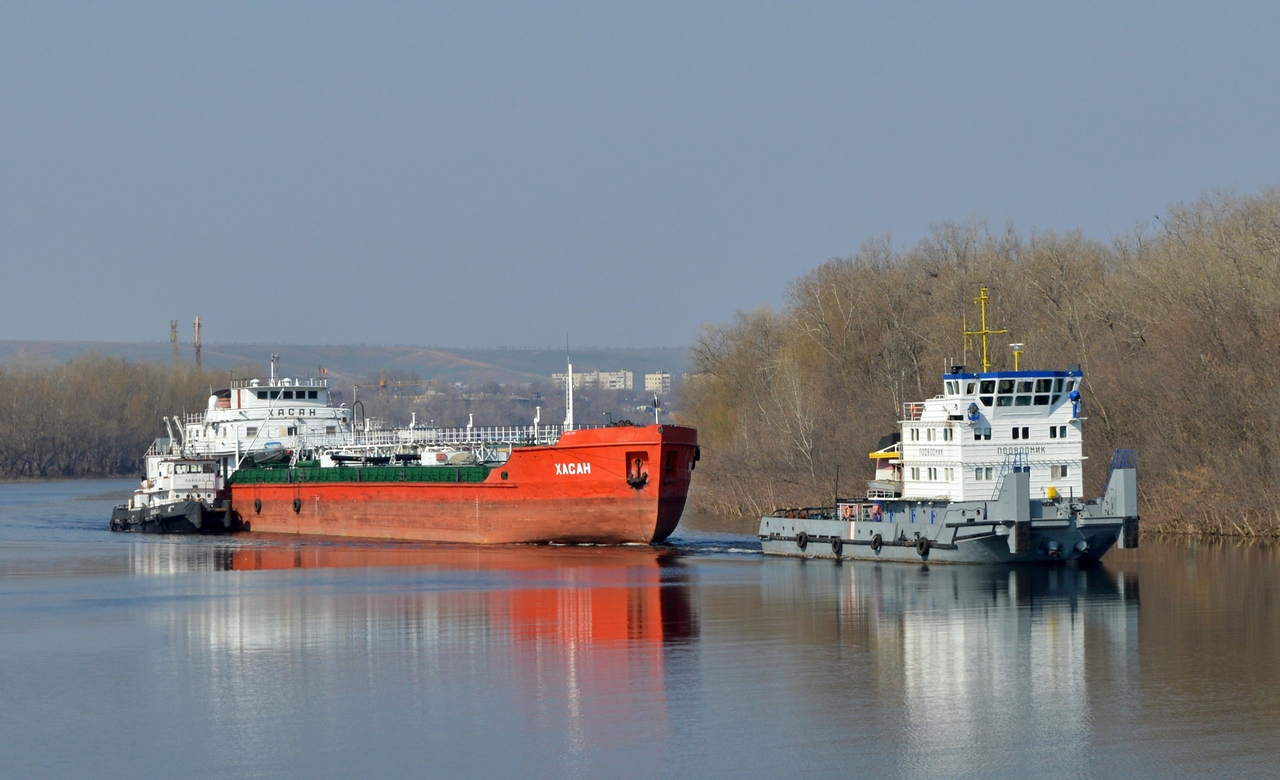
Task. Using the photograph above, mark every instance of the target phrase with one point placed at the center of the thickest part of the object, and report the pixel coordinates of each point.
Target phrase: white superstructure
(956, 446)
(261, 416)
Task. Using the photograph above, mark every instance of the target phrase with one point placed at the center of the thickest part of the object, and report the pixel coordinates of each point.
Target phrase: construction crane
(383, 384)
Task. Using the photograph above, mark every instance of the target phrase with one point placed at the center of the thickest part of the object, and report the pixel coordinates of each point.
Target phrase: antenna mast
(568, 388)
(984, 331)
(173, 340)
(197, 341)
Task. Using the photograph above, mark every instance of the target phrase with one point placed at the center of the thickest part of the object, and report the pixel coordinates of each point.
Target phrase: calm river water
(131, 656)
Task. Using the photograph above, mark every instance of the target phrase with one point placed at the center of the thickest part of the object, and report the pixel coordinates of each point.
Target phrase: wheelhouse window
(987, 386)
(1004, 400)
(981, 434)
(968, 389)
(1022, 400)
(1044, 385)
(1024, 386)
(311, 394)
(985, 399)
(262, 394)
(287, 394)
(1006, 386)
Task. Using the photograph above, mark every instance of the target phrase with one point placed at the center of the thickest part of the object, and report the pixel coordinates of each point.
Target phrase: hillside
(344, 361)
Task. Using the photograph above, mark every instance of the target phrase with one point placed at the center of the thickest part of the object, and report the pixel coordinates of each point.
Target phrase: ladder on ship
(1013, 462)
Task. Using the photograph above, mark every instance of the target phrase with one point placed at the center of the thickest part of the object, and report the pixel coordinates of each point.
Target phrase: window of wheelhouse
(987, 388)
(1005, 389)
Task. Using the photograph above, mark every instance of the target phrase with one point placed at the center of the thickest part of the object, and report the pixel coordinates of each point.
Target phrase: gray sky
(482, 175)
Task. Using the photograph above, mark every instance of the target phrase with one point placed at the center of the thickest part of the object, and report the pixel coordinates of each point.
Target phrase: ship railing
(913, 410)
(279, 382)
(393, 439)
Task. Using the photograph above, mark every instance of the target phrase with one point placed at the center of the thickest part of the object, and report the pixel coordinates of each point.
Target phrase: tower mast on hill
(983, 332)
(173, 339)
(197, 341)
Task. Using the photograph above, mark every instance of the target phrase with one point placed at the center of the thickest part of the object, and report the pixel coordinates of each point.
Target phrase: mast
(197, 342)
(568, 399)
(984, 331)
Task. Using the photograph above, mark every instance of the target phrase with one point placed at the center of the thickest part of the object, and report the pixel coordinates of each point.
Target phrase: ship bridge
(959, 445)
(265, 414)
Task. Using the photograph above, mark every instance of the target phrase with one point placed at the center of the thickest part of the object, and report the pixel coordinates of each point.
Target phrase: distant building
(657, 382)
(606, 380)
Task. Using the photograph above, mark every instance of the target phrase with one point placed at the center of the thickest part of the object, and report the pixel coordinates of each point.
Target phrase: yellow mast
(981, 300)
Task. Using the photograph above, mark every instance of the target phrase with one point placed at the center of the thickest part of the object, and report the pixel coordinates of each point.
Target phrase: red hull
(574, 491)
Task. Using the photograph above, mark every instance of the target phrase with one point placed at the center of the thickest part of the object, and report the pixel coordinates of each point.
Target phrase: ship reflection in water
(255, 656)
(567, 640)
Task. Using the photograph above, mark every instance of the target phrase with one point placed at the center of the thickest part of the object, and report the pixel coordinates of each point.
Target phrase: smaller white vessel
(990, 471)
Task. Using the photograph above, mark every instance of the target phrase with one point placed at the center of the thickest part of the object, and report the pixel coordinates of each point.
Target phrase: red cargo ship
(611, 485)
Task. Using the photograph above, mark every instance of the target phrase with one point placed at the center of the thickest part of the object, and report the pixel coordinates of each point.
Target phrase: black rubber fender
(837, 546)
(257, 506)
(802, 540)
(922, 547)
(297, 505)
(876, 543)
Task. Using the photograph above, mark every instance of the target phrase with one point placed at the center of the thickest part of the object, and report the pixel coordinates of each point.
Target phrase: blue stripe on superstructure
(1016, 375)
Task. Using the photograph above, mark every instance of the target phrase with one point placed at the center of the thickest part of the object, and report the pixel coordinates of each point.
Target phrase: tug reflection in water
(1012, 658)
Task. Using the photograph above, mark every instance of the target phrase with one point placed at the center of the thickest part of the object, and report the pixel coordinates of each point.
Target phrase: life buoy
(297, 505)
(257, 506)
(876, 543)
(922, 547)
(837, 546)
(802, 540)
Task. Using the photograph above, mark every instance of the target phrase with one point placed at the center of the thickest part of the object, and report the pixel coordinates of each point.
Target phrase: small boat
(179, 495)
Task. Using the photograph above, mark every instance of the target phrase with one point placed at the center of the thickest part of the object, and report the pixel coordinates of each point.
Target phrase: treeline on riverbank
(94, 416)
(1177, 329)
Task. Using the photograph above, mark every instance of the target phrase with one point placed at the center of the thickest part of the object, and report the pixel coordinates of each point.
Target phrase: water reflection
(567, 636)
(1010, 659)
(285, 657)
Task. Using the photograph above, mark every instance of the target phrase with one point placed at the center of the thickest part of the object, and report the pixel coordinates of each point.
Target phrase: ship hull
(584, 489)
(1011, 529)
(178, 517)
